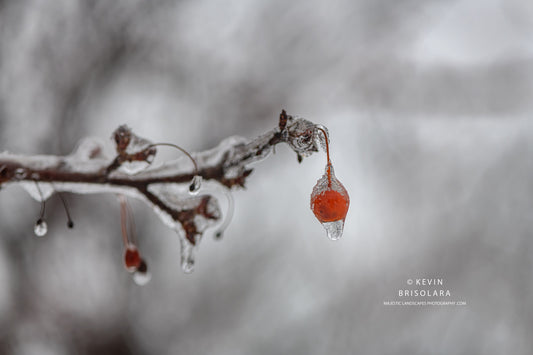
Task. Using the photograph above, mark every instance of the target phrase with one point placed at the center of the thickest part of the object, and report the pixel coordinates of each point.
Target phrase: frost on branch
(172, 189)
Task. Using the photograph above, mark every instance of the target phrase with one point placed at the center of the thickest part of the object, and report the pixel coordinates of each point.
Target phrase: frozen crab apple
(329, 199)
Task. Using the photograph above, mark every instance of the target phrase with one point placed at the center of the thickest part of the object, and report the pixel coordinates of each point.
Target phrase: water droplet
(142, 276)
(195, 185)
(20, 173)
(41, 228)
(187, 256)
(334, 229)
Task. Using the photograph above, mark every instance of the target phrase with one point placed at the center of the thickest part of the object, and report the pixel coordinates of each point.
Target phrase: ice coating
(133, 167)
(196, 184)
(129, 172)
(301, 137)
(90, 148)
(136, 153)
(321, 135)
(88, 156)
(239, 155)
(178, 197)
(40, 192)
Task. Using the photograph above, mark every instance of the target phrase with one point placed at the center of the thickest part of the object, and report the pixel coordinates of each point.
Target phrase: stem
(123, 219)
(43, 202)
(181, 150)
(70, 223)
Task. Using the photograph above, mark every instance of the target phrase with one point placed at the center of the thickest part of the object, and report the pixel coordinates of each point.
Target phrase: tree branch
(163, 187)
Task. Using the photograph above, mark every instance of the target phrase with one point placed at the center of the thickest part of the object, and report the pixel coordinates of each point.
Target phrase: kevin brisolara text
(424, 293)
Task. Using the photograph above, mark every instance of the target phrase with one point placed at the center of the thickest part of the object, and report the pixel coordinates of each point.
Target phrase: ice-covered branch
(170, 188)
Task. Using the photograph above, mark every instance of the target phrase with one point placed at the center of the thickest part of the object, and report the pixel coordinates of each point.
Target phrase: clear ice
(41, 228)
(187, 255)
(46, 190)
(334, 229)
(133, 167)
(142, 278)
(195, 185)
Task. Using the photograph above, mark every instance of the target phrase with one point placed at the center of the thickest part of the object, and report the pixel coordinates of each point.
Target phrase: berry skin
(132, 258)
(330, 206)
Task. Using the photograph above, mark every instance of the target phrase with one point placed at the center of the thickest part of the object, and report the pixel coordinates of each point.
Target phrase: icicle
(187, 255)
(334, 229)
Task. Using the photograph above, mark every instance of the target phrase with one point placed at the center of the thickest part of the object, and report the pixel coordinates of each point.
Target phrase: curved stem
(181, 150)
(70, 223)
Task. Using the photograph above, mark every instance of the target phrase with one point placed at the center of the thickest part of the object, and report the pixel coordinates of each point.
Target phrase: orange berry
(132, 258)
(330, 206)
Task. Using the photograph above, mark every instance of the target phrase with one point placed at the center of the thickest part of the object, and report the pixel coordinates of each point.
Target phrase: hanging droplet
(330, 203)
(41, 228)
(132, 258)
(142, 276)
(195, 185)
(187, 264)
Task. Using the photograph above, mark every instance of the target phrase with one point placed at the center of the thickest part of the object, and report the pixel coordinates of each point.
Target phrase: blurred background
(429, 108)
